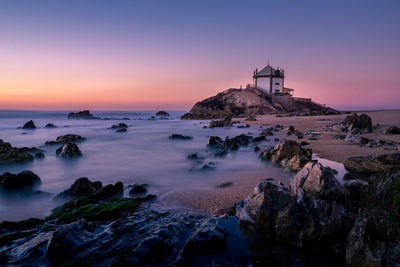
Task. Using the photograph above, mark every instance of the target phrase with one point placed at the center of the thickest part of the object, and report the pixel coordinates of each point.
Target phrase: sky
(148, 55)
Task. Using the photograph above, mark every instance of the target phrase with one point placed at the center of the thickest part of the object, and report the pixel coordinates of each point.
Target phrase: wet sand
(216, 199)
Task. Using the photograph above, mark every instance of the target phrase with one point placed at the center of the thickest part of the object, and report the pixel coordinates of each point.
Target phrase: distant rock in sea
(66, 138)
(29, 125)
(85, 114)
(162, 114)
(50, 125)
(253, 101)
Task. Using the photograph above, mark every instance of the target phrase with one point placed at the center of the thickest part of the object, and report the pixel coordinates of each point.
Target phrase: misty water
(143, 154)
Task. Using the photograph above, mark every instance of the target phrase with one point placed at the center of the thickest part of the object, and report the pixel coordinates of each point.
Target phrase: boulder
(138, 189)
(214, 140)
(180, 137)
(225, 121)
(371, 164)
(66, 138)
(81, 187)
(25, 181)
(119, 126)
(68, 150)
(162, 114)
(85, 114)
(50, 125)
(392, 130)
(39, 155)
(355, 124)
(10, 154)
(296, 163)
(287, 149)
(29, 125)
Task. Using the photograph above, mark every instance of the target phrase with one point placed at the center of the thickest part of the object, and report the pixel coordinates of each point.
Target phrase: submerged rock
(50, 125)
(85, 114)
(29, 125)
(162, 114)
(68, 150)
(119, 126)
(25, 181)
(10, 154)
(66, 138)
(392, 130)
(138, 189)
(180, 137)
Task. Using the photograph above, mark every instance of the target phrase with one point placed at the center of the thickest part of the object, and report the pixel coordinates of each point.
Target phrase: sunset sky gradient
(137, 55)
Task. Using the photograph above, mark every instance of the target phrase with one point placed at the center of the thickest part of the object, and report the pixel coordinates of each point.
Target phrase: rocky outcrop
(375, 237)
(68, 150)
(367, 168)
(25, 181)
(12, 154)
(81, 187)
(85, 114)
(29, 125)
(226, 121)
(66, 138)
(355, 124)
(249, 102)
(311, 214)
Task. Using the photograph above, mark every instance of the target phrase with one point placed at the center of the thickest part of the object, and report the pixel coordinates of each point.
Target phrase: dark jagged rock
(138, 189)
(50, 125)
(355, 124)
(39, 155)
(25, 181)
(12, 154)
(225, 121)
(392, 130)
(66, 138)
(85, 114)
(162, 114)
(180, 137)
(214, 140)
(119, 126)
(68, 150)
(368, 168)
(29, 125)
(81, 187)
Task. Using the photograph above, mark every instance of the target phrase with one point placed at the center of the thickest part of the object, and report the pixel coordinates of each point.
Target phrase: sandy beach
(214, 199)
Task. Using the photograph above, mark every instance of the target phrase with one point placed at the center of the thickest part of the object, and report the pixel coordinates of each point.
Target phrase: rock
(207, 167)
(315, 181)
(287, 149)
(39, 155)
(29, 125)
(180, 137)
(67, 138)
(10, 154)
(121, 130)
(258, 139)
(296, 163)
(66, 240)
(119, 126)
(355, 124)
(214, 140)
(68, 150)
(372, 164)
(224, 185)
(226, 121)
(81, 187)
(288, 130)
(50, 125)
(267, 133)
(251, 118)
(392, 130)
(353, 138)
(138, 189)
(248, 102)
(375, 237)
(85, 114)
(25, 181)
(356, 188)
(162, 114)
(193, 156)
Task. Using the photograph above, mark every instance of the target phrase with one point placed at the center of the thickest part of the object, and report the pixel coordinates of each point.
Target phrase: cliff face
(252, 101)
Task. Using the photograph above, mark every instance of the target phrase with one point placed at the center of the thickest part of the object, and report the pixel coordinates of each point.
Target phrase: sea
(144, 154)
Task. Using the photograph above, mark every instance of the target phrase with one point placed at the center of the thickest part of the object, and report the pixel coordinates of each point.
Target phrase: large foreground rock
(311, 214)
(375, 237)
(81, 187)
(25, 181)
(12, 154)
(355, 124)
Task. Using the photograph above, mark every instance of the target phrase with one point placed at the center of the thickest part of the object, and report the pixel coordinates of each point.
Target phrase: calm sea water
(144, 154)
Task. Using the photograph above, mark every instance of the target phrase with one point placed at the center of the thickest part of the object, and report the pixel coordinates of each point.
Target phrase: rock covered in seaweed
(81, 187)
(12, 154)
